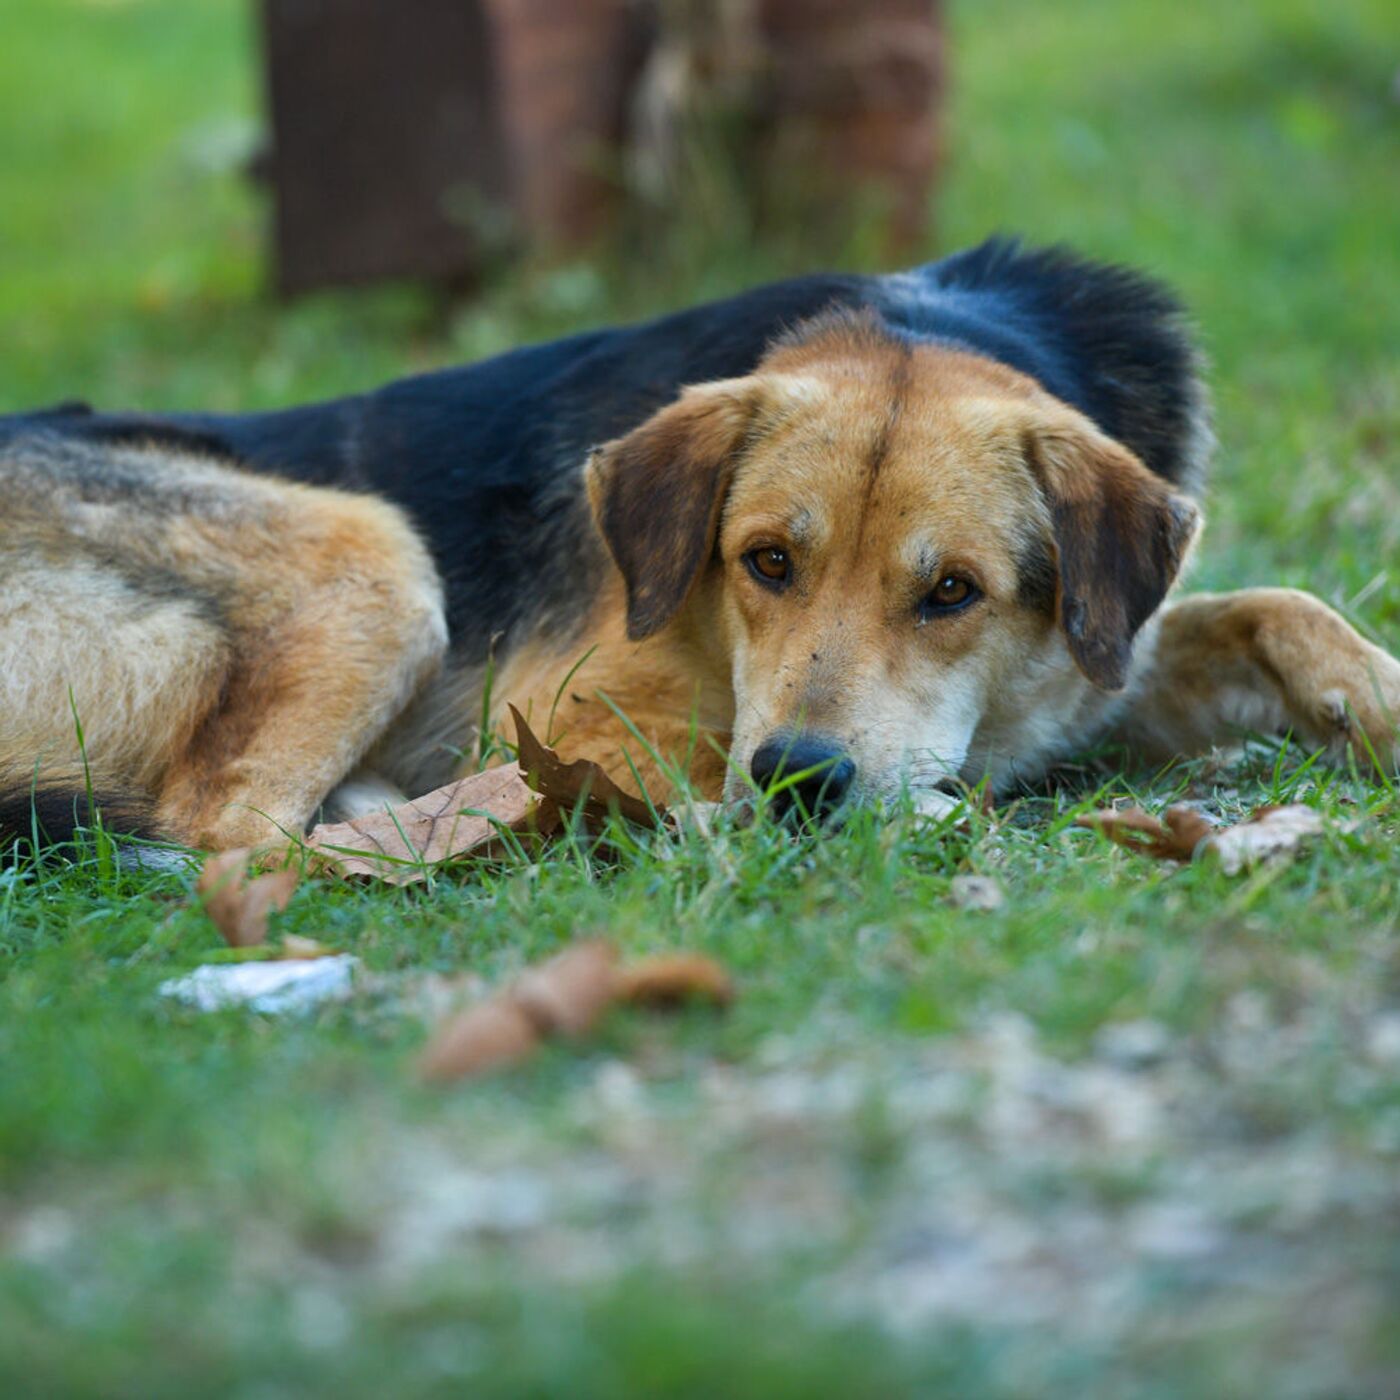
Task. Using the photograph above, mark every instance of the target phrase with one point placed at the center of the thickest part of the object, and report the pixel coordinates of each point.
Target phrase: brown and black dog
(875, 535)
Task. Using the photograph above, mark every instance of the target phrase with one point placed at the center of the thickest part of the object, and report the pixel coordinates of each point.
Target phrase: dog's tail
(36, 816)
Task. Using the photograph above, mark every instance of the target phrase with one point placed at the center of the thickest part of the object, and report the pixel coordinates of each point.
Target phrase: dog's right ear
(657, 494)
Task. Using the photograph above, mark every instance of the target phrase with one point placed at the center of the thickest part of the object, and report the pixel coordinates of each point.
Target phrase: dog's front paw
(1339, 690)
(1366, 712)
(1358, 709)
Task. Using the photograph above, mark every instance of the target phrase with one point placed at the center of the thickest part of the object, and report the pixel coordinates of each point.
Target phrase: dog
(842, 537)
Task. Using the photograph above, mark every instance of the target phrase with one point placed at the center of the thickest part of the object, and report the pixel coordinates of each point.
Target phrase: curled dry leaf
(566, 784)
(240, 911)
(1270, 832)
(670, 979)
(1174, 836)
(1184, 834)
(401, 844)
(564, 996)
(567, 994)
(491, 1035)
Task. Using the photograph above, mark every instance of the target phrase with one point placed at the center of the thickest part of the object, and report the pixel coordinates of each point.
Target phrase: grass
(917, 1157)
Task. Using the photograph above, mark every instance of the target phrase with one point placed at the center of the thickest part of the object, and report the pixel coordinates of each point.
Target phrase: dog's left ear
(657, 494)
(1121, 533)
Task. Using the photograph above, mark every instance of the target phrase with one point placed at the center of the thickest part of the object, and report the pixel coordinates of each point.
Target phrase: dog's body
(914, 528)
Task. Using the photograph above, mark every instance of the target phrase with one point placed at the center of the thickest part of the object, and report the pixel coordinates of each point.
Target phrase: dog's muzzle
(818, 771)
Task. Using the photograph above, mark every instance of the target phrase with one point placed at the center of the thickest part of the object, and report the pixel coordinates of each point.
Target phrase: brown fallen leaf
(567, 994)
(1174, 836)
(400, 845)
(1269, 832)
(240, 911)
(667, 980)
(566, 784)
(564, 996)
(491, 1035)
(1186, 835)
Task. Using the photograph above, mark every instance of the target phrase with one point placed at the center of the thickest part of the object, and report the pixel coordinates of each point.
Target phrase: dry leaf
(240, 911)
(564, 996)
(494, 1034)
(567, 994)
(1173, 837)
(399, 845)
(1186, 835)
(669, 979)
(567, 783)
(1270, 832)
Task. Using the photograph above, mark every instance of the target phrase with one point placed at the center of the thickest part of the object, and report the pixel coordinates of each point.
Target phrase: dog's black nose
(826, 773)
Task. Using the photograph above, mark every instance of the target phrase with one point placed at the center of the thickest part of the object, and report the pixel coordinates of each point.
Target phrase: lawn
(1134, 1133)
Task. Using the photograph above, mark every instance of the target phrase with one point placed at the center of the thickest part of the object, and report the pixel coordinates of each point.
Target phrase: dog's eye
(950, 594)
(769, 565)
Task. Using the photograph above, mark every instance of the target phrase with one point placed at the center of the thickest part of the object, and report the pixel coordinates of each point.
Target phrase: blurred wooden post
(566, 68)
(829, 110)
(399, 125)
(386, 138)
(856, 91)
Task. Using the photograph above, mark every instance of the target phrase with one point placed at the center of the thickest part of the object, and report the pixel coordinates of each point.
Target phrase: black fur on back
(487, 458)
(1108, 339)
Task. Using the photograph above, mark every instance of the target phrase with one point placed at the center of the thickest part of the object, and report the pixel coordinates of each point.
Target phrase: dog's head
(905, 553)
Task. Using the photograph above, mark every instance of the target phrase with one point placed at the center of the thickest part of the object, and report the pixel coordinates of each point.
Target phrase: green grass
(911, 1160)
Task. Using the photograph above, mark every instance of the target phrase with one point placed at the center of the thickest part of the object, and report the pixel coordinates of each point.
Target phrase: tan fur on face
(879, 467)
(903, 470)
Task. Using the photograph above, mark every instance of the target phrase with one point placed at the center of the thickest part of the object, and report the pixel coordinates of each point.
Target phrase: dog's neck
(595, 693)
